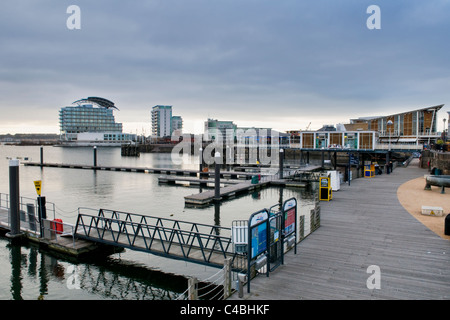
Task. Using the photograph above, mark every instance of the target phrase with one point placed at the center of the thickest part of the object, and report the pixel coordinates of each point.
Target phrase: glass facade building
(86, 118)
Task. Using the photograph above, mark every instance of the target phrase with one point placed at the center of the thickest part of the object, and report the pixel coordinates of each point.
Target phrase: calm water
(29, 273)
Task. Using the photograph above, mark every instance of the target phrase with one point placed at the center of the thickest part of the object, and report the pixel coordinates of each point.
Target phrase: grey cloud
(241, 56)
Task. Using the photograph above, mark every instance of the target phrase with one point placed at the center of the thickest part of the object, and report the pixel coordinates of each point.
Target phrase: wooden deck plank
(363, 225)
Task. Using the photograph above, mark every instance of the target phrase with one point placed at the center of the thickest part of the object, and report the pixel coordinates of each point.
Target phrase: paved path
(363, 225)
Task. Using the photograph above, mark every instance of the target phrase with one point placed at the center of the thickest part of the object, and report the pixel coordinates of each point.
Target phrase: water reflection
(36, 274)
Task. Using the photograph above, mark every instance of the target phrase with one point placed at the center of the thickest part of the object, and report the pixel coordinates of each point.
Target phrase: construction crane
(307, 128)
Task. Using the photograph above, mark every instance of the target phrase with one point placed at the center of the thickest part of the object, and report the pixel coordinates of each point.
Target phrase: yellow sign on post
(37, 185)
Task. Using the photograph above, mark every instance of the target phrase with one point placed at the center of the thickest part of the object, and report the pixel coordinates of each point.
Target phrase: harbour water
(32, 273)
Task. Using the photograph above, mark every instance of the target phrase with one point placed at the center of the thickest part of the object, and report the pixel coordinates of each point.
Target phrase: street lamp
(444, 131)
(390, 123)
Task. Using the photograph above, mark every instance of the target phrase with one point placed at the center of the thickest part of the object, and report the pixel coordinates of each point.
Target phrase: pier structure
(364, 232)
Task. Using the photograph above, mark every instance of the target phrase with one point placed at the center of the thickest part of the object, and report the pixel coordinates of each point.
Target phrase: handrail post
(227, 278)
(192, 286)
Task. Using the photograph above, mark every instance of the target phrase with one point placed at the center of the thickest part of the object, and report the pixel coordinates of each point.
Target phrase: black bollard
(217, 177)
(95, 156)
(447, 225)
(14, 205)
(281, 163)
(42, 210)
(200, 161)
(42, 156)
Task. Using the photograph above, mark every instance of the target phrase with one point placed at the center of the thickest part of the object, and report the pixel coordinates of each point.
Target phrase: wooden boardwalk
(363, 225)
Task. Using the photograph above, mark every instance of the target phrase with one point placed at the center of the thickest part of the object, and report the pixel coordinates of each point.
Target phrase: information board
(258, 233)
(259, 239)
(290, 213)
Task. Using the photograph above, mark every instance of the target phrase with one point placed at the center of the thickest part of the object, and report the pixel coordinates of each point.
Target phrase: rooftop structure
(416, 126)
(102, 102)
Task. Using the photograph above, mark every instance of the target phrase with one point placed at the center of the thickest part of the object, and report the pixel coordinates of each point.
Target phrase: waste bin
(254, 179)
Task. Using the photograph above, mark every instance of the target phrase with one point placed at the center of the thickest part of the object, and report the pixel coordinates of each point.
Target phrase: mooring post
(42, 210)
(227, 278)
(95, 156)
(192, 289)
(200, 161)
(14, 205)
(217, 176)
(42, 156)
(281, 163)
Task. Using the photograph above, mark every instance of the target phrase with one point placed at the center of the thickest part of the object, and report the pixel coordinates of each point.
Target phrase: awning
(410, 140)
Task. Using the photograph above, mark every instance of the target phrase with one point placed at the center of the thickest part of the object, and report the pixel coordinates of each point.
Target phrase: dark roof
(102, 102)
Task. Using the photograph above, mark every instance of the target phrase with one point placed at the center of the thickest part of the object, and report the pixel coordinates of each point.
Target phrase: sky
(283, 64)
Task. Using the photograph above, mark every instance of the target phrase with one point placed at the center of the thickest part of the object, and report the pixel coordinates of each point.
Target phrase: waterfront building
(163, 123)
(409, 130)
(111, 139)
(214, 128)
(351, 140)
(177, 125)
(414, 127)
(93, 115)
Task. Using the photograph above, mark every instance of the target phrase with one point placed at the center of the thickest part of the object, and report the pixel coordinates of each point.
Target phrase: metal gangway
(189, 241)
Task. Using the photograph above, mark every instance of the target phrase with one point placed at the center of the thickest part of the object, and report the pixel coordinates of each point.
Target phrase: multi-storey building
(91, 121)
(89, 115)
(163, 123)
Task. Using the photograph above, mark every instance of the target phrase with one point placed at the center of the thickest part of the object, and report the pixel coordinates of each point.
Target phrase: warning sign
(37, 185)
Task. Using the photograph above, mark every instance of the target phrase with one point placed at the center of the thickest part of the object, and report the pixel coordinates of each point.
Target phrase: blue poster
(259, 240)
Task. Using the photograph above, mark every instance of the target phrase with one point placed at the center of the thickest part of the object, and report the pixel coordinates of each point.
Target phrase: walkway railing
(195, 242)
(53, 229)
(216, 287)
(29, 215)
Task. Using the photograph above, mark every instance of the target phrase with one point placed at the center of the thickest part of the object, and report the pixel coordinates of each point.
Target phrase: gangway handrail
(159, 219)
(138, 224)
(156, 238)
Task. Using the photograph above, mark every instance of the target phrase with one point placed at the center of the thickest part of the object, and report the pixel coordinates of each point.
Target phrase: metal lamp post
(389, 124)
(444, 131)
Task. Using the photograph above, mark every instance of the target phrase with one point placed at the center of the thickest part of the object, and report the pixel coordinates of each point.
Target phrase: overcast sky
(278, 63)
